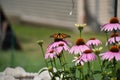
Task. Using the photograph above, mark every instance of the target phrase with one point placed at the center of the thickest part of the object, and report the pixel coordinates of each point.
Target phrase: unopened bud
(40, 42)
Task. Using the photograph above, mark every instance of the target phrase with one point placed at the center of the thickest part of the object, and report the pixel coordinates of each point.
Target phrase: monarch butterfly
(60, 36)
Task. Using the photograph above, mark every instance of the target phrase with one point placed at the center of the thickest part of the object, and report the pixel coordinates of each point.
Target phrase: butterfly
(59, 36)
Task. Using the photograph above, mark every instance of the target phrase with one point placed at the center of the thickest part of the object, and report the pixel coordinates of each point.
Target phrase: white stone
(44, 75)
(7, 77)
(18, 71)
(15, 72)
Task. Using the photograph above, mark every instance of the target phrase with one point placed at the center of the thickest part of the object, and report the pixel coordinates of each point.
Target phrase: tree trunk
(91, 20)
(8, 39)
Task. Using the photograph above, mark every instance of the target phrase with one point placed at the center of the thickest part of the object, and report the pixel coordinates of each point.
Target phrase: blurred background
(23, 22)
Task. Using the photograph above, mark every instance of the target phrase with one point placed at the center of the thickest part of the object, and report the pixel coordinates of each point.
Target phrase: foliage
(84, 54)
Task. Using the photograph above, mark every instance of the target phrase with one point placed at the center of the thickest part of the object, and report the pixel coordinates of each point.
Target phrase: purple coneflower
(62, 45)
(114, 52)
(114, 38)
(87, 56)
(79, 47)
(93, 42)
(113, 25)
(50, 54)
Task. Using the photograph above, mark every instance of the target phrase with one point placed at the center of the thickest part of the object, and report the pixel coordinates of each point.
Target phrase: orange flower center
(92, 38)
(114, 20)
(114, 35)
(61, 44)
(80, 41)
(88, 51)
(51, 51)
(114, 49)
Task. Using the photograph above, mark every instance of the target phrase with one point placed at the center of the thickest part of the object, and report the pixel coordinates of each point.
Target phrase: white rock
(7, 77)
(18, 71)
(2, 74)
(43, 75)
(9, 71)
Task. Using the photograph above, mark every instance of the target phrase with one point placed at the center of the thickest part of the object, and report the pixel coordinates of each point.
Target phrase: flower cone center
(61, 44)
(114, 20)
(92, 38)
(114, 35)
(80, 41)
(114, 49)
(88, 51)
(51, 51)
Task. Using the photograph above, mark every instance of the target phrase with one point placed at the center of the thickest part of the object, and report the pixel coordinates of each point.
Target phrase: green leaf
(45, 69)
(97, 72)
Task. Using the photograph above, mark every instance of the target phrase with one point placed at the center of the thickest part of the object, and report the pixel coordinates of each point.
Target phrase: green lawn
(30, 58)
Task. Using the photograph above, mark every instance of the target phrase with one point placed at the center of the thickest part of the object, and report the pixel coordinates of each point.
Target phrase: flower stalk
(114, 68)
(85, 53)
(40, 43)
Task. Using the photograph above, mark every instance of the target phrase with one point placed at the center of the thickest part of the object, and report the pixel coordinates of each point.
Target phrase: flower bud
(50, 69)
(80, 26)
(40, 42)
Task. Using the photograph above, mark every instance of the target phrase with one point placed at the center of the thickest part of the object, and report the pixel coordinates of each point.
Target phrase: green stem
(114, 68)
(107, 38)
(80, 75)
(90, 72)
(43, 55)
(80, 33)
(115, 36)
(100, 63)
(51, 63)
(45, 59)
(62, 64)
(55, 64)
(88, 67)
(62, 58)
(65, 61)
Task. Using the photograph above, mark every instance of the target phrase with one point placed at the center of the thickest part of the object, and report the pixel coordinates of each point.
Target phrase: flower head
(60, 45)
(114, 52)
(87, 56)
(113, 25)
(97, 50)
(80, 26)
(79, 47)
(40, 42)
(59, 42)
(114, 38)
(94, 42)
(50, 54)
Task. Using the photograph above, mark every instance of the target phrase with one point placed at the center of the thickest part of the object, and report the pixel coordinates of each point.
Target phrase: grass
(30, 58)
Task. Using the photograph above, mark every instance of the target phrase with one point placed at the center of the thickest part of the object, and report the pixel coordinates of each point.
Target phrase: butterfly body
(60, 36)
